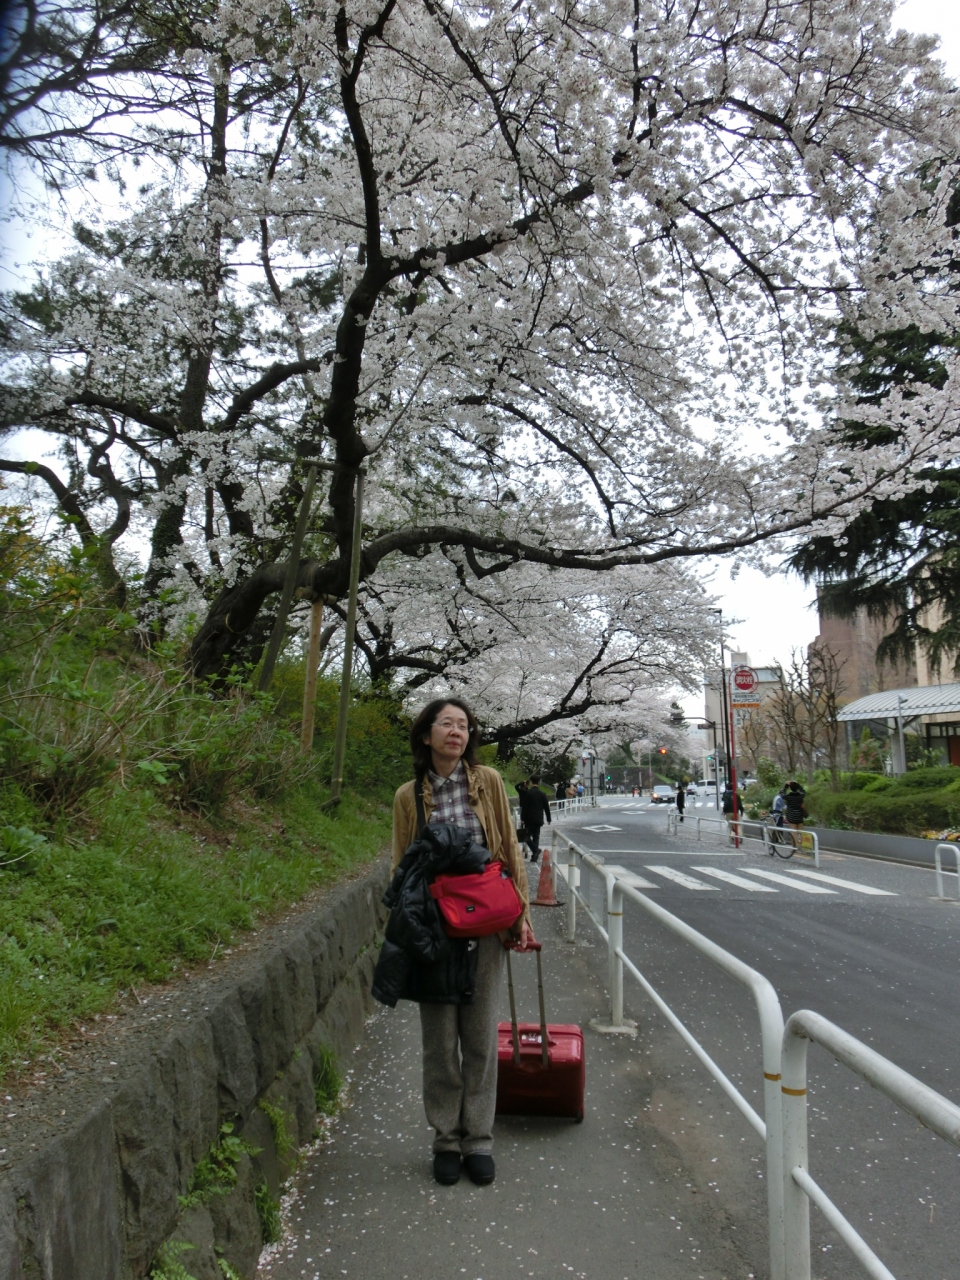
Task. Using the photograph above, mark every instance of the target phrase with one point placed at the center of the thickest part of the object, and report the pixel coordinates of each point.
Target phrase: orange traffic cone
(546, 891)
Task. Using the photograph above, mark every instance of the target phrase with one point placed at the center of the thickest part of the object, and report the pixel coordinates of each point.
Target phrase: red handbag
(475, 906)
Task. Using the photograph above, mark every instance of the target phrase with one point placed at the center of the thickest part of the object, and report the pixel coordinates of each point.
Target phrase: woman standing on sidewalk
(460, 1037)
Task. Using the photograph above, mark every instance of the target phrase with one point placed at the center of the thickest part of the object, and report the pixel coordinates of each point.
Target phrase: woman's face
(449, 735)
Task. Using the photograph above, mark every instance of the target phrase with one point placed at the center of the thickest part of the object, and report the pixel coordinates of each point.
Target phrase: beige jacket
(488, 800)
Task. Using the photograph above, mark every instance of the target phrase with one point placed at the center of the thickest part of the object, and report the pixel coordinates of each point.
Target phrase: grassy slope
(131, 891)
(146, 819)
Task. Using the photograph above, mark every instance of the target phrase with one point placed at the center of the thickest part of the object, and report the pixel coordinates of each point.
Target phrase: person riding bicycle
(794, 810)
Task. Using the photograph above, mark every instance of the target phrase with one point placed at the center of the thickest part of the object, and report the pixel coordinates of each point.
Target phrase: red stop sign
(745, 680)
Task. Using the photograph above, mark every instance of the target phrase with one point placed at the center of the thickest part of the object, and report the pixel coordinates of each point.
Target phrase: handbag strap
(418, 799)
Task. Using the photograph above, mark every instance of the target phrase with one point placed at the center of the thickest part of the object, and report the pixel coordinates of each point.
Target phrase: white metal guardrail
(770, 836)
(783, 1127)
(917, 1099)
(558, 808)
(563, 808)
(955, 850)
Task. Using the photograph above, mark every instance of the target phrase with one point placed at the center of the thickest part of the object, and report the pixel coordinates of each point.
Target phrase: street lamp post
(712, 726)
(726, 701)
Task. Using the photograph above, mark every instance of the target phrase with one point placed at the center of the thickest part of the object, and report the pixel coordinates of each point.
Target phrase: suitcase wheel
(579, 1117)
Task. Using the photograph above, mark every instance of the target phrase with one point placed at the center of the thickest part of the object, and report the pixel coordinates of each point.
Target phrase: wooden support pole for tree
(289, 585)
(310, 679)
(340, 746)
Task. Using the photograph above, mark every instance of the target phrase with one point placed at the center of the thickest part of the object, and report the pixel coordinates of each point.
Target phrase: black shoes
(446, 1167)
(480, 1168)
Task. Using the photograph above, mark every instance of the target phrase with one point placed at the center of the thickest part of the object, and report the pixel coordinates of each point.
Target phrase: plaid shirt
(451, 800)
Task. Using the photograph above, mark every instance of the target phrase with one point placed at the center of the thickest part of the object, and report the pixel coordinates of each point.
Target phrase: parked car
(691, 788)
(663, 795)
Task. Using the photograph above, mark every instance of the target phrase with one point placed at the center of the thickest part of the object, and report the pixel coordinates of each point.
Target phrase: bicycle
(777, 846)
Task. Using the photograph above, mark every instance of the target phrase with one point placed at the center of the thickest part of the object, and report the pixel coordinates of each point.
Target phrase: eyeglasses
(452, 724)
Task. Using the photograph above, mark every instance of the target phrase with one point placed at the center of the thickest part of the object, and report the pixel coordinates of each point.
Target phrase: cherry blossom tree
(546, 656)
(563, 278)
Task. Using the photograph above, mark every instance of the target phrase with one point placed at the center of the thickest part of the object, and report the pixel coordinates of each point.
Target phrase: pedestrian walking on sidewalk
(458, 1013)
(681, 799)
(726, 805)
(534, 811)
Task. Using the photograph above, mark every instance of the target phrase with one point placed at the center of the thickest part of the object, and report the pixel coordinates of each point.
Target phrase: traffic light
(663, 751)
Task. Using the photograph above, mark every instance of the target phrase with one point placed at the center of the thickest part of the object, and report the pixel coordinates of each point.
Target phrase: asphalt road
(882, 965)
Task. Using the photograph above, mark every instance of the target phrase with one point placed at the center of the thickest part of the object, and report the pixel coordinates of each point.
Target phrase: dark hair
(421, 727)
(534, 779)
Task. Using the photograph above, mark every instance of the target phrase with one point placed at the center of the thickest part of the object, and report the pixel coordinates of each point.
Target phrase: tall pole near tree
(310, 678)
(340, 745)
(727, 711)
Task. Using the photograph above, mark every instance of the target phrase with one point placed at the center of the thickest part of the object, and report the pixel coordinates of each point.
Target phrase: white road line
(739, 881)
(844, 884)
(787, 880)
(674, 853)
(688, 882)
(602, 828)
(629, 877)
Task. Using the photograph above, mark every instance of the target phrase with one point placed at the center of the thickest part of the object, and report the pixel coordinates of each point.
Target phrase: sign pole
(744, 683)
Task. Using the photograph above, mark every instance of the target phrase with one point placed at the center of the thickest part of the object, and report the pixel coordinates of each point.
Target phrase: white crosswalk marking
(789, 881)
(688, 882)
(629, 877)
(739, 881)
(844, 884)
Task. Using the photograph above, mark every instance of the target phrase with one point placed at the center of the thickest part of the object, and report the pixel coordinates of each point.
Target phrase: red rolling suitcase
(540, 1069)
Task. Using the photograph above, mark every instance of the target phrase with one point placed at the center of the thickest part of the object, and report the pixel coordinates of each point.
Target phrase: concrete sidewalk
(601, 1200)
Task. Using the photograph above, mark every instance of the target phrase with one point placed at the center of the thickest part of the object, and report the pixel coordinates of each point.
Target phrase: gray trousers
(460, 1061)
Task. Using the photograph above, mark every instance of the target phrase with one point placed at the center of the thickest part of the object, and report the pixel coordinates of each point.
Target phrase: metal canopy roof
(928, 700)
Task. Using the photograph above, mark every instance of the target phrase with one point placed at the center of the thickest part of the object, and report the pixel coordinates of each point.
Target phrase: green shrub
(283, 1139)
(879, 782)
(216, 1173)
(857, 781)
(905, 811)
(327, 1083)
(168, 1265)
(927, 779)
(226, 1271)
(759, 796)
(268, 1211)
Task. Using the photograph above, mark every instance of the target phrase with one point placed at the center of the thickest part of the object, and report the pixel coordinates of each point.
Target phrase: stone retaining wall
(99, 1202)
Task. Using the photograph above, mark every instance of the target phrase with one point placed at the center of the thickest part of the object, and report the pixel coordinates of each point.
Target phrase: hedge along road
(876, 953)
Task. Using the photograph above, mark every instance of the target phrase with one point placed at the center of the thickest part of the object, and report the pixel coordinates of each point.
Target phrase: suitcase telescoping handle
(544, 1050)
